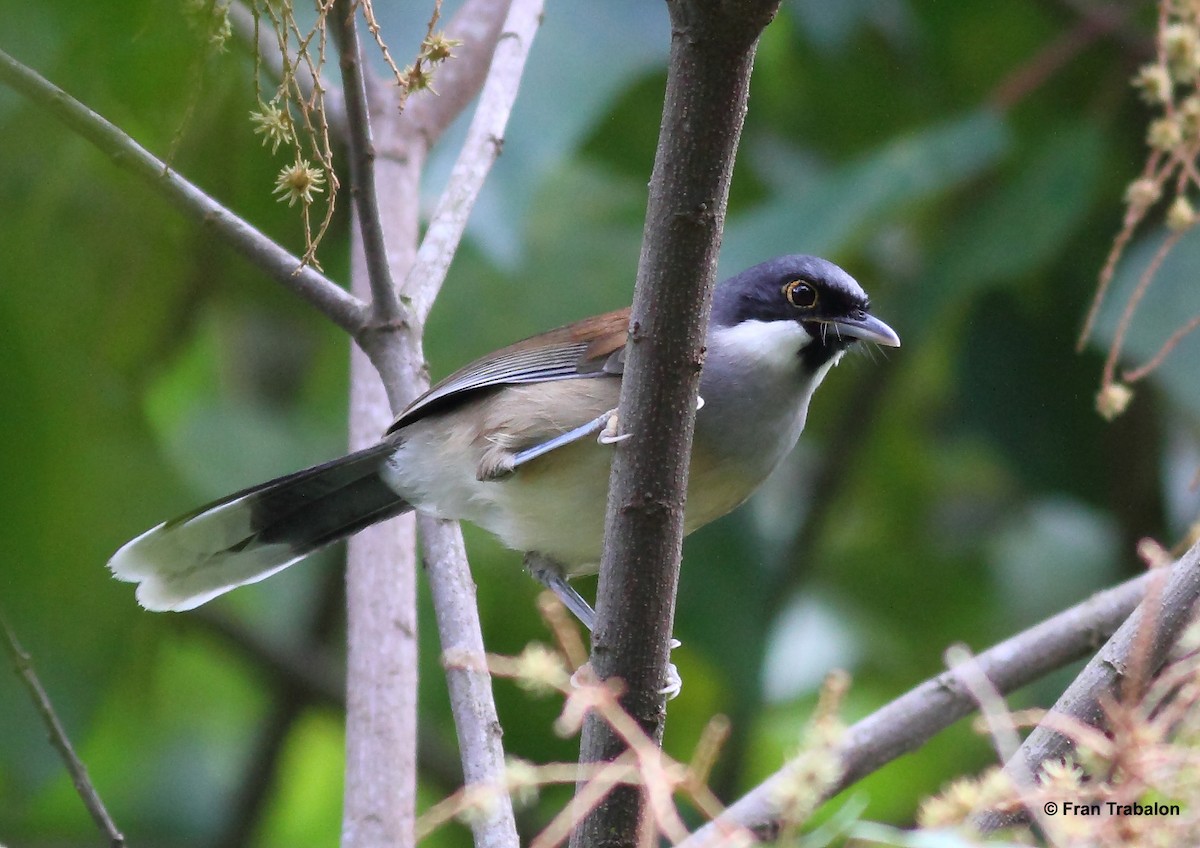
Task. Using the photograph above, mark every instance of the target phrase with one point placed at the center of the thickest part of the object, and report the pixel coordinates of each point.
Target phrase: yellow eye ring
(800, 294)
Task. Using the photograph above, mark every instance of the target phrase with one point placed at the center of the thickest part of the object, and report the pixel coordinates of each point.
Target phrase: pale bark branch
(382, 636)
(335, 303)
(23, 666)
(479, 152)
(911, 720)
(469, 684)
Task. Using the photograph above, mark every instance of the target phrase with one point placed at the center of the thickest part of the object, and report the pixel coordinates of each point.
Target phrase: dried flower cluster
(1171, 86)
(1138, 784)
(291, 111)
(543, 671)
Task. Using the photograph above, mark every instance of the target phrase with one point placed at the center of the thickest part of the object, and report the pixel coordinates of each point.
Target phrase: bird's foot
(608, 434)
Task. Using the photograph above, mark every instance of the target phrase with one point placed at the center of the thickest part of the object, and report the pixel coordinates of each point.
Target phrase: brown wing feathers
(584, 348)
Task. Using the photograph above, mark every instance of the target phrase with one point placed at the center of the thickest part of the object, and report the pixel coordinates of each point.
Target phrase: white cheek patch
(768, 344)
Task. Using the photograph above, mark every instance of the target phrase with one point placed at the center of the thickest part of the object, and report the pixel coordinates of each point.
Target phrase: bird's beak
(866, 327)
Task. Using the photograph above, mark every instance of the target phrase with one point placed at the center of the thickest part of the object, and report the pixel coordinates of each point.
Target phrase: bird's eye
(800, 294)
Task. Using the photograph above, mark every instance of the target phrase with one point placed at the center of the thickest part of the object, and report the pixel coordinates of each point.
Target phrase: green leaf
(1018, 228)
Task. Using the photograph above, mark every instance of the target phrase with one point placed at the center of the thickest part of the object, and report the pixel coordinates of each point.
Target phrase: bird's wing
(593, 347)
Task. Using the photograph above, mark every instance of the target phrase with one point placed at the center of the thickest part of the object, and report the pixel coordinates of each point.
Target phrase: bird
(520, 443)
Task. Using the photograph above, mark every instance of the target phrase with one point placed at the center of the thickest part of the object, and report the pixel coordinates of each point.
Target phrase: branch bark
(1134, 654)
(346, 311)
(911, 720)
(708, 78)
(385, 299)
(381, 573)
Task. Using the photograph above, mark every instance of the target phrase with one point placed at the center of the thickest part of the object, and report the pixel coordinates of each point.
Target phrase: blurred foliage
(954, 490)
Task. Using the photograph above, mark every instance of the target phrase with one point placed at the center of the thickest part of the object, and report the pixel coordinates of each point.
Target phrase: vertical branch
(485, 138)
(708, 77)
(381, 571)
(381, 661)
(386, 371)
(385, 300)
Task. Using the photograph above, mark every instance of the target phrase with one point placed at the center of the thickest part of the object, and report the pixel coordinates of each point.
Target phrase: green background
(957, 489)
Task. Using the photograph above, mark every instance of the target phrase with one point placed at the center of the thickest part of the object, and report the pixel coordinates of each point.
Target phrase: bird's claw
(673, 684)
(608, 434)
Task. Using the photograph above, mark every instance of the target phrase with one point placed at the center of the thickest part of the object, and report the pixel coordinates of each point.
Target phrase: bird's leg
(550, 574)
(516, 460)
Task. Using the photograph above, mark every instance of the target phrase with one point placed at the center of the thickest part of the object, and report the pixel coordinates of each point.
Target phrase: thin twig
(908, 722)
(1058, 54)
(1135, 374)
(485, 138)
(334, 302)
(469, 684)
(58, 737)
(385, 300)
(264, 44)
(1143, 285)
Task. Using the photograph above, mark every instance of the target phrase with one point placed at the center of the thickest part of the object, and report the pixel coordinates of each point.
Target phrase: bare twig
(385, 300)
(1135, 298)
(480, 150)
(262, 43)
(1142, 371)
(469, 683)
(58, 737)
(338, 305)
(908, 722)
(1059, 53)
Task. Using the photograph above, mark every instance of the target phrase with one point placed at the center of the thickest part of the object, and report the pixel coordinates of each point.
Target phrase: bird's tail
(251, 534)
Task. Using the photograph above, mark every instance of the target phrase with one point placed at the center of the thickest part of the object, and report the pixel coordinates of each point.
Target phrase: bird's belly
(554, 505)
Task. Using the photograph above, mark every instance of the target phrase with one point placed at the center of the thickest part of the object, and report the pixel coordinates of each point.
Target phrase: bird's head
(795, 306)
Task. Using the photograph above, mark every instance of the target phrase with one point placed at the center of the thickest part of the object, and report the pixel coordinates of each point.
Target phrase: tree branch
(911, 720)
(479, 152)
(380, 576)
(470, 685)
(708, 76)
(338, 305)
(58, 737)
(1133, 655)
(385, 299)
